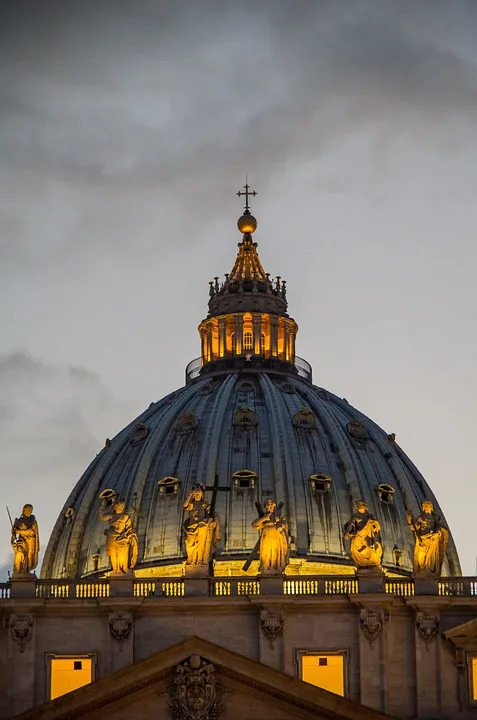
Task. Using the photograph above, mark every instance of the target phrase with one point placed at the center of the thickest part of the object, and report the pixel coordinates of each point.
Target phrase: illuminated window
(262, 344)
(247, 340)
(324, 670)
(69, 673)
(473, 679)
(244, 479)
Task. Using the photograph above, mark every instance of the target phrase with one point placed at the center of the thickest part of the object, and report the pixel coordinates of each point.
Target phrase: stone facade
(406, 655)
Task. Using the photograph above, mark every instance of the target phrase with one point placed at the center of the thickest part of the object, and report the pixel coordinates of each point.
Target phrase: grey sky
(125, 130)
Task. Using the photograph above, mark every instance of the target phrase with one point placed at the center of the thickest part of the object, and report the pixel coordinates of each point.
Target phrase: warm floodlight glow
(68, 674)
(325, 671)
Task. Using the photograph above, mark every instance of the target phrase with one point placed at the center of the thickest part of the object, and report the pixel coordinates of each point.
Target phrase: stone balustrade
(221, 587)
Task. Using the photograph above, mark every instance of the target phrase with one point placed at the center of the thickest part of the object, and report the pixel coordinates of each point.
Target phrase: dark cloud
(53, 421)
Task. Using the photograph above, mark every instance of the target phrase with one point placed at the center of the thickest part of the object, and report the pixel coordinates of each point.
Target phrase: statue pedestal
(425, 584)
(23, 585)
(271, 584)
(196, 580)
(370, 580)
(121, 585)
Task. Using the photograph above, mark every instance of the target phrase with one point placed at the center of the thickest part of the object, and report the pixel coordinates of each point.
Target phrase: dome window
(244, 479)
(168, 486)
(245, 419)
(247, 340)
(108, 497)
(304, 420)
(186, 424)
(287, 387)
(245, 387)
(139, 434)
(357, 431)
(386, 493)
(320, 483)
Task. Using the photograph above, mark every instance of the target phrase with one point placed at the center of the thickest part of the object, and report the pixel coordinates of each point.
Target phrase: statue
(364, 531)
(25, 542)
(274, 545)
(121, 538)
(202, 529)
(431, 540)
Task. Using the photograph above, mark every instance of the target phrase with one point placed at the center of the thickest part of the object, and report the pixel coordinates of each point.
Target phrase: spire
(247, 281)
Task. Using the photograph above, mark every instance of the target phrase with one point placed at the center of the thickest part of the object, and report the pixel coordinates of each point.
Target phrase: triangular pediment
(242, 689)
(463, 634)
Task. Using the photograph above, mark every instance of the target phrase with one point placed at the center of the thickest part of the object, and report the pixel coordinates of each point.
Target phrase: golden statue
(364, 532)
(25, 542)
(274, 545)
(121, 538)
(431, 540)
(202, 530)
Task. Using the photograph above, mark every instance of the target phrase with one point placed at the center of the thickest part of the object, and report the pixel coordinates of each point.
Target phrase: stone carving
(304, 419)
(25, 542)
(322, 394)
(139, 433)
(364, 531)
(202, 530)
(287, 387)
(274, 542)
(427, 626)
(357, 431)
(206, 389)
(245, 419)
(271, 624)
(372, 623)
(121, 538)
(21, 629)
(186, 424)
(431, 540)
(120, 625)
(193, 696)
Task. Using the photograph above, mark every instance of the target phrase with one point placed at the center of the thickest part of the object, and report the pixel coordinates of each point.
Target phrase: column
(21, 663)
(257, 328)
(222, 328)
(273, 335)
(286, 341)
(238, 334)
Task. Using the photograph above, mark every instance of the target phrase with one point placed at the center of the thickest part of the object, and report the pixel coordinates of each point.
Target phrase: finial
(246, 223)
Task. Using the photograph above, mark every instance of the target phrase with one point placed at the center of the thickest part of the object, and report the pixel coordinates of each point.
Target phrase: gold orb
(247, 224)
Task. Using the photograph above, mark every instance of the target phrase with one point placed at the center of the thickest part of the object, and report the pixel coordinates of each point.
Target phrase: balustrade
(242, 587)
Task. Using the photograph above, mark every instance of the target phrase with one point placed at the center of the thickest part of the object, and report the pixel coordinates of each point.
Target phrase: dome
(265, 434)
(249, 423)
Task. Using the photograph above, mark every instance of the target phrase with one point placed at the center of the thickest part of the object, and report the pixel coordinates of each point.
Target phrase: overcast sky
(125, 130)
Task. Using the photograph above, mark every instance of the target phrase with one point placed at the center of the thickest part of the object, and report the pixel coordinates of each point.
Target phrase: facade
(250, 546)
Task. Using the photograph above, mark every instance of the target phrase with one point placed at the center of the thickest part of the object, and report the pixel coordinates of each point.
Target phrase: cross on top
(246, 194)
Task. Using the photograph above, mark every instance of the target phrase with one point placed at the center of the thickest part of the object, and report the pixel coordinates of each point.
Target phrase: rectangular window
(325, 670)
(68, 674)
(473, 670)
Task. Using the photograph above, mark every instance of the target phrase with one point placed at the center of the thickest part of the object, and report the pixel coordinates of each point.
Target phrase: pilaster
(21, 662)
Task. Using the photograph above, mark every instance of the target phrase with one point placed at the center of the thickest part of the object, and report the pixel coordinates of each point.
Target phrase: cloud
(53, 420)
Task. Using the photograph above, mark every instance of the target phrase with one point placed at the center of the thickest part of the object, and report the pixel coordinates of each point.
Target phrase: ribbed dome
(300, 444)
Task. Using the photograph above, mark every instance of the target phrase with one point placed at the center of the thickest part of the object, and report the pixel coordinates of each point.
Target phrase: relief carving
(357, 431)
(304, 419)
(271, 624)
(139, 433)
(372, 623)
(193, 696)
(427, 626)
(245, 419)
(186, 424)
(21, 629)
(120, 625)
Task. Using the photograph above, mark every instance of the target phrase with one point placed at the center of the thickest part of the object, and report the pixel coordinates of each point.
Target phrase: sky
(126, 130)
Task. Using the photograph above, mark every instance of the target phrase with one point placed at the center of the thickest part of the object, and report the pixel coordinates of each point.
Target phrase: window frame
(470, 656)
(49, 656)
(344, 653)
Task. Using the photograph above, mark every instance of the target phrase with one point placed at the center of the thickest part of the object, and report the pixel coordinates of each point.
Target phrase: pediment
(226, 686)
(463, 634)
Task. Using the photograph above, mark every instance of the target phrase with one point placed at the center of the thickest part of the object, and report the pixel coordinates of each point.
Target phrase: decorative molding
(245, 419)
(372, 622)
(357, 431)
(21, 629)
(272, 624)
(139, 434)
(186, 424)
(287, 387)
(193, 695)
(304, 419)
(120, 625)
(427, 625)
